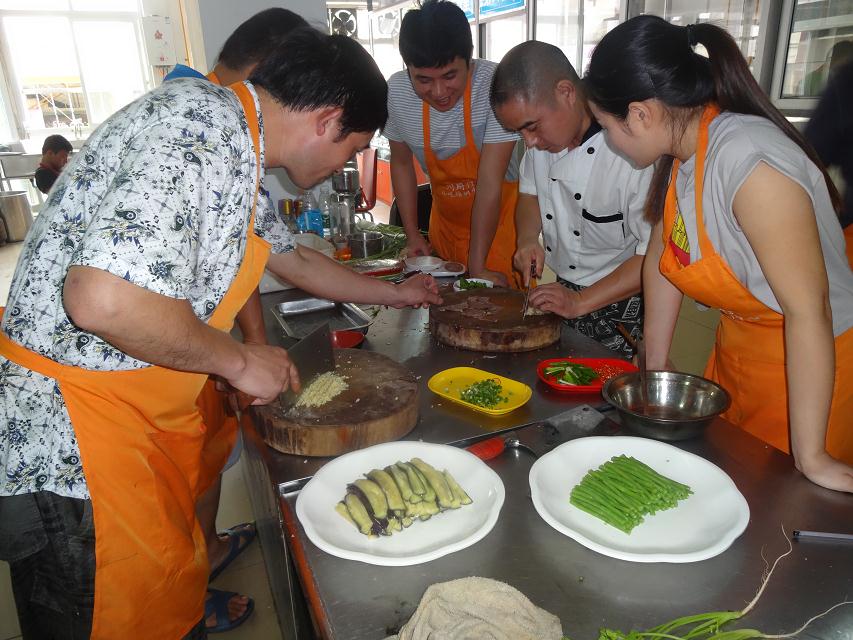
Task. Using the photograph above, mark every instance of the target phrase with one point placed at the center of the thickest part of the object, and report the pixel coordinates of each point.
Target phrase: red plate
(606, 368)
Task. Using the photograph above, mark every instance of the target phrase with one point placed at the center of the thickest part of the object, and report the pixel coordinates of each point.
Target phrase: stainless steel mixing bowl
(679, 405)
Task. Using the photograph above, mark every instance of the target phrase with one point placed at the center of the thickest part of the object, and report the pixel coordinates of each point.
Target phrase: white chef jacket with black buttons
(591, 203)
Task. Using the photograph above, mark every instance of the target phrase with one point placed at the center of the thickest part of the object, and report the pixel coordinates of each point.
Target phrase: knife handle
(488, 449)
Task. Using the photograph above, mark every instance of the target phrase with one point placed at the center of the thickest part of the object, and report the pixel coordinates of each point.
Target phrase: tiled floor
(694, 336)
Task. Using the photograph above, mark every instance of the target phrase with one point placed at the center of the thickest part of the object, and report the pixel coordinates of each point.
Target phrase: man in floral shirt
(118, 285)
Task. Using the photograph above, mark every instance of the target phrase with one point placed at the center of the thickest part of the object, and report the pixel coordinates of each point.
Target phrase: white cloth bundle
(478, 609)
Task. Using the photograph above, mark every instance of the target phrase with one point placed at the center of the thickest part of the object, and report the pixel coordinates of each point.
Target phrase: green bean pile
(623, 490)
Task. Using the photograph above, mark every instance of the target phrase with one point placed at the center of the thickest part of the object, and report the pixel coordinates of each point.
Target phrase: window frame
(10, 87)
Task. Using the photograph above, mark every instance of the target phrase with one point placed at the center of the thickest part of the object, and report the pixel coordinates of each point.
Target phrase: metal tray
(298, 324)
(307, 305)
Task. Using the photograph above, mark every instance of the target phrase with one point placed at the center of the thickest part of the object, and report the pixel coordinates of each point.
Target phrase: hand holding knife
(527, 292)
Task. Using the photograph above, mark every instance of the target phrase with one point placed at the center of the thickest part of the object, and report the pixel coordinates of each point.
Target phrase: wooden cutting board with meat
(380, 404)
(490, 320)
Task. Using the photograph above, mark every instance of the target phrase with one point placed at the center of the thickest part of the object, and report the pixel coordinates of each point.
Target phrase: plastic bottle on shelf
(325, 198)
(310, 218)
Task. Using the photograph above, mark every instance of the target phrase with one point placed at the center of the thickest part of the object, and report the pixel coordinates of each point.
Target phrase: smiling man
(438, 111)
(585, 199)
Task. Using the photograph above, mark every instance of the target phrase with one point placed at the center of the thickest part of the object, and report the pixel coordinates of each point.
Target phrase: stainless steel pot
(365, 243)
(345, 181)
(16, 214)
(678, 405)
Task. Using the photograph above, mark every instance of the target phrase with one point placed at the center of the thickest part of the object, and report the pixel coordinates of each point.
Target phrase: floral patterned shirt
(160, 195)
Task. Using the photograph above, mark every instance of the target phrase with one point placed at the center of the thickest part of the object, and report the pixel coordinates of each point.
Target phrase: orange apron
(220, 427)
(748, 359)
(141, 442)
(454, 184)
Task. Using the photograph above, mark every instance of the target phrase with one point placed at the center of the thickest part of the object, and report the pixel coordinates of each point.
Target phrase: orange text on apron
(749, 353)
(454, 183)
(141, 439)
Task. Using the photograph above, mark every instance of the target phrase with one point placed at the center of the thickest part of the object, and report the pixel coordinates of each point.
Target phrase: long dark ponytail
(647, 57)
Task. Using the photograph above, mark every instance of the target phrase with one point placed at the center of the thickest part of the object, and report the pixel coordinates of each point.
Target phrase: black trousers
(600, 325)
(49, 543)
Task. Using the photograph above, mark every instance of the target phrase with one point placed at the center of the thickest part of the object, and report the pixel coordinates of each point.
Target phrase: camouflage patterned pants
(601, 324)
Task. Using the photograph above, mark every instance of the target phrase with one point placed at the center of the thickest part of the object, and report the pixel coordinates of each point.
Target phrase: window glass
(104, 5)
(503, 34)
(738, 17)
(821, 40)
(111, 81)
(35, 5)
(575, 26)
(49, 79)
(558, 23)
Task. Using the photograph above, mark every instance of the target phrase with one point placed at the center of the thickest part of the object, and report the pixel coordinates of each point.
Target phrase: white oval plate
(700, 527)
(424, 540)
(489, 284)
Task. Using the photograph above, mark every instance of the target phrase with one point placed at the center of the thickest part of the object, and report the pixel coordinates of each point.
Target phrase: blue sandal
(240, 537)
(218, 603)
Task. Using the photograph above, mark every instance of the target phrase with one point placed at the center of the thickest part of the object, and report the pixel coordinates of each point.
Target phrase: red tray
(606, 368)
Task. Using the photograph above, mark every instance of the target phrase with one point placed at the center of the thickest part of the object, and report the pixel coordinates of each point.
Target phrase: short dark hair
(258, 36)
(310, 70)
(530, 71)
(56, 143)
(435, 34)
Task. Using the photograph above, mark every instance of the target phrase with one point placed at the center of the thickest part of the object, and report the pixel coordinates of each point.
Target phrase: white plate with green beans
(423, 541)
(698, 524)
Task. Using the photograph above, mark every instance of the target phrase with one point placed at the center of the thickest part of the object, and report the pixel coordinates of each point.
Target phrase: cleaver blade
(312, 356)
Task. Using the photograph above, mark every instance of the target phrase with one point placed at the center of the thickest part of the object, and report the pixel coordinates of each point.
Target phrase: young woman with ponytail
(746, 221)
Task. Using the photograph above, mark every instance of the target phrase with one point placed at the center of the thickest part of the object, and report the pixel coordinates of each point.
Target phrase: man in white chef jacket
(582, 197)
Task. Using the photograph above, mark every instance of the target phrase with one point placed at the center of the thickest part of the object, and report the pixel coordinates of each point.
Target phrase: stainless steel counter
(402, 335)
(352, 600)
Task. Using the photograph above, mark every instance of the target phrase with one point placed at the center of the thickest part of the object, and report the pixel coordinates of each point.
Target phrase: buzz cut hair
(530, 71)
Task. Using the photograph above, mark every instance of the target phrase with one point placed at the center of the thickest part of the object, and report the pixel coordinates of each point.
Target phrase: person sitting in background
(438, 111)
(54, 156)
(584, 197)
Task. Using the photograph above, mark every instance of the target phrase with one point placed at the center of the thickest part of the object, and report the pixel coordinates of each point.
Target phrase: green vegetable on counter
(470, 284)
(485, 393)
(709, 626)
(623, 490)
(571, 373)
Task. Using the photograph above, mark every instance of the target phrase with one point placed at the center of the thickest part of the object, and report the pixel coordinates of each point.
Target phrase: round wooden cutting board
(380, 405)
(490, 320)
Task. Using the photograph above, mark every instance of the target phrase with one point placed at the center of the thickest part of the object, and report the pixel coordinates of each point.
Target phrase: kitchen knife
(540, 438)
(312, 356)
(527, 293)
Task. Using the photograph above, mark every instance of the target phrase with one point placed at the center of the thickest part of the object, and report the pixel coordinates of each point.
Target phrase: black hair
(530, 71)
(258, 36)
(647, 57)
(56, 143)
(435, 34)
(310, 70)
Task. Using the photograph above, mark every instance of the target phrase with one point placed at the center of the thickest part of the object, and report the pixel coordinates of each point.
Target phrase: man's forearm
(404, 182)
(485, 215)
(148, 326)
(313, 272)
(250, 319)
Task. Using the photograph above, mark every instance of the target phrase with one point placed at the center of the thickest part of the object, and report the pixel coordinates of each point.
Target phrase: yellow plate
(450, 382)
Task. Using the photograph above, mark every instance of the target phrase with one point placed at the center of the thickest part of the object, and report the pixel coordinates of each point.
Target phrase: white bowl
(423, 263)
(487, 284)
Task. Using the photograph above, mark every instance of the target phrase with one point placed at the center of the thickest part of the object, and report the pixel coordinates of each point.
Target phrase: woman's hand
(824, 470)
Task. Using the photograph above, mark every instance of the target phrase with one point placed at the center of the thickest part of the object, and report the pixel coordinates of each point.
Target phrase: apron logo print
(464, 189)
